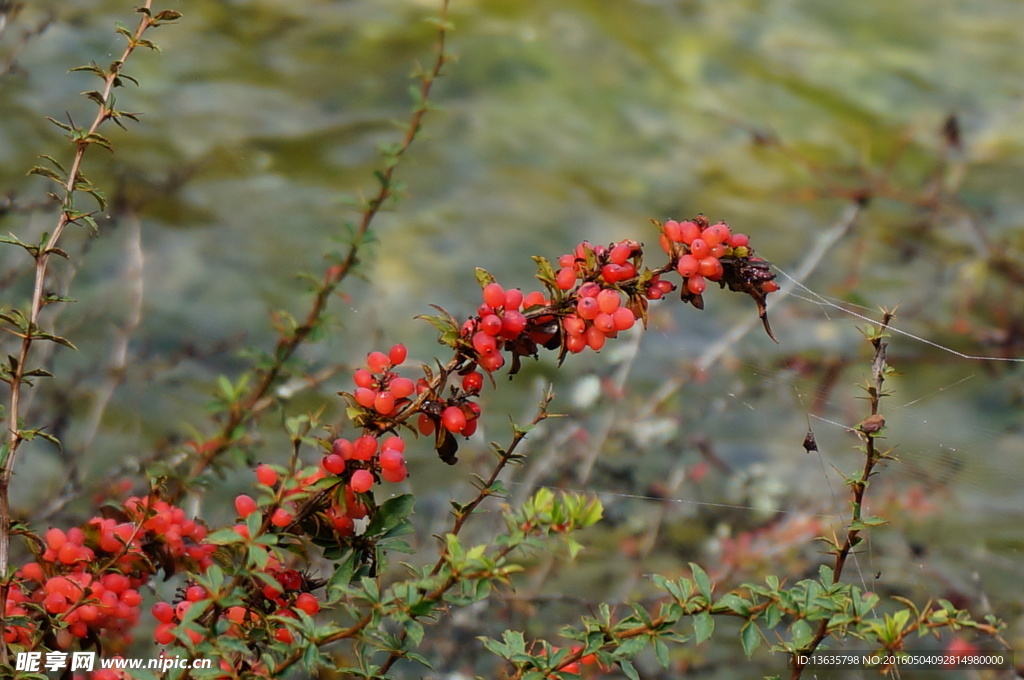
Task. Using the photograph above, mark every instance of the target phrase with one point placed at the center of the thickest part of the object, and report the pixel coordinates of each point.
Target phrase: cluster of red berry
(697, 247)
(87, 579)
(291, 497)
(284, 600)
(500, 320)
(365, 456)
(378, 387)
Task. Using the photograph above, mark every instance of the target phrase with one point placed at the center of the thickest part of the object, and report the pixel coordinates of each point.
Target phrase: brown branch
(868, 430)
(42, 259)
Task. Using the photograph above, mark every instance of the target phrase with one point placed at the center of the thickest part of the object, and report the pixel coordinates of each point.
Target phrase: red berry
(612, 273)
(473, 382)
(738, 241)
(343, 525)
(284, 635)
(33, 571)
(608, 300)
(590, 289)
(534, 299)
(574, 325)
(689, 231)
(587, 308)
(565, 279)
(604, 323)
(513, 299)
(365, 396)
(266, 475)
(673, 231)
(391, 459)
(163, 612)
(491, 324)
(362, 481)
(364, 447)
(195, 593)
(364, 378)
(513, 323)
(395, 442)
(687, 266)
(620, 253)
(595, 338)
(343, 448)
(245, 505)
(378, 361)
(453, 419)
(484, 344)
(425, 424)
(69, 553)
(665, 243)
(164, 634)
(281, 518)
(491, 362)
(716, 233)
(494, 295)
(402, 387)
(334, 464)
(55, 538)
(710, 267)
(395, 475)
(769, 287)
(623, 319)
(696, 284)
(700, 248)
(237, 614)
(384, 402)
(307, 603)
(576, 343)
(397, 354)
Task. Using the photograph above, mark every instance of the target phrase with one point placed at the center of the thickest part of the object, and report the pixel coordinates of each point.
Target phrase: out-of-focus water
(559, 122)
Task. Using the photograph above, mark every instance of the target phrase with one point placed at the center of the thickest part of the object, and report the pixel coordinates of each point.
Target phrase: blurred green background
(560, 121)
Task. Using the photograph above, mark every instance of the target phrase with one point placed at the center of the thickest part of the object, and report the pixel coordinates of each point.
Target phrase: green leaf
(703, 626)
(62, 126)
(515, 641)
(97, 97)
(801, 634)
(32, 249)
(628, 670)
(43, 335)
(391, 514)
(545, 272)
(90, 68)
(483, 277)
(47, 173)
(750, 637)
(661, 651)
(735, 603)
(495, 647)
(225, 537)
(342, 576)
(167, 15)
(701, 578)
